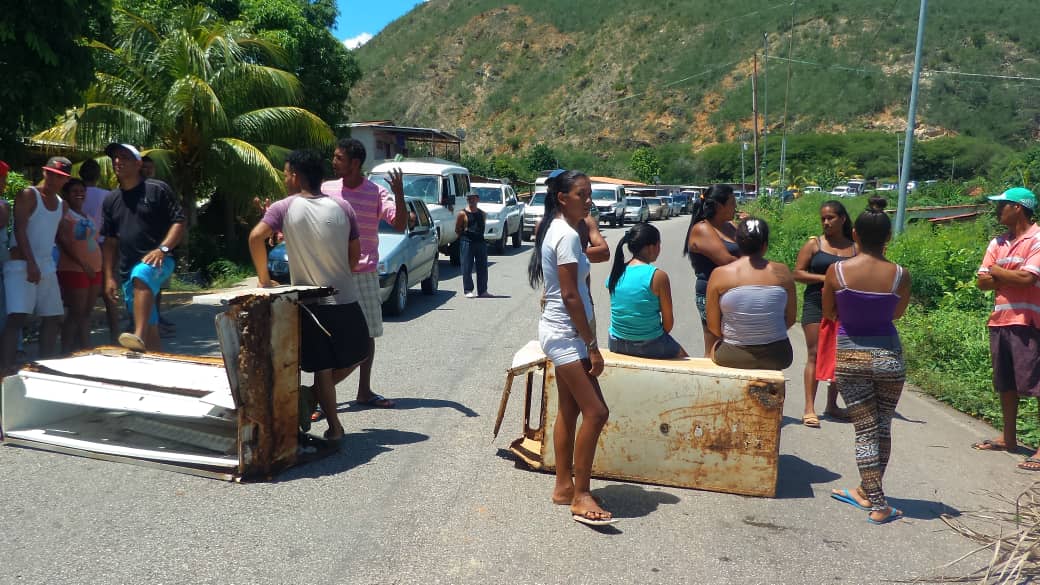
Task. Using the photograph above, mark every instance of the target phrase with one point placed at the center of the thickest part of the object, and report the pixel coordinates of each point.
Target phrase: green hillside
(610, 74)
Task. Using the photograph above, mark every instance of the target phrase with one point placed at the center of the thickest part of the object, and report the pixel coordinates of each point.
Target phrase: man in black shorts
(321, 237)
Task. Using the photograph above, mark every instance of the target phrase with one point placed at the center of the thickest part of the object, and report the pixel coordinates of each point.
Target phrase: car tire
(500, 245)
(395, 305)
(516, 237)
(429, 286)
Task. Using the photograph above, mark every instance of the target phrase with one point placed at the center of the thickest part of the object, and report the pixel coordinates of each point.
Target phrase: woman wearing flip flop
(559, 263)
(815, 257)
(866, 294)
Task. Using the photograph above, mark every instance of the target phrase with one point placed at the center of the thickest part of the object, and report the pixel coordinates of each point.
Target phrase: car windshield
(489, 194)
(425, 187)
(603, 195)
(538, 199)
(653, 200)
(633, 202)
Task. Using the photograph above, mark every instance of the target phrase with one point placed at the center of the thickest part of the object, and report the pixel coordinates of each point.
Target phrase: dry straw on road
(1009, 535)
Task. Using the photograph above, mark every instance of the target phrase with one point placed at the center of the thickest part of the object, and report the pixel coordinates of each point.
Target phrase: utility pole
(743, 149)
(765, 98)
(911, 120)
(899, 157)
(754, 114)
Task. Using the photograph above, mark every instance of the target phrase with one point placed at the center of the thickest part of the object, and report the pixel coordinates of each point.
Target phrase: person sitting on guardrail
(751, 304)
(710, 242)
(1011, 268)
(560, 265)
(866, 294)
(641, 316)
(322, 238)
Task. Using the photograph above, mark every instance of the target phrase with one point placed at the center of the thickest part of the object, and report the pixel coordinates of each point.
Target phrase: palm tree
(205, 99)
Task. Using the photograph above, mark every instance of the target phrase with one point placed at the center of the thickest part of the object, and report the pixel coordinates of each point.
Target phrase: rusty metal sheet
(685, 423)
(182, 413)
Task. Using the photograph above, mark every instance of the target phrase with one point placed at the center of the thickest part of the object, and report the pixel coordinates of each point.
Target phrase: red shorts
(77, 279)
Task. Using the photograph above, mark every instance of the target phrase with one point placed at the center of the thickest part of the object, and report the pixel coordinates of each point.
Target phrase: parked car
(609, 200)
(812, 189)
(655, 208)
(405, 259)
(441, 184)
(636, 209)
(888, 187)
(533, 212)
(676, 206)
(857, 187)
(842, 191)
(504, 214)
(682, 202)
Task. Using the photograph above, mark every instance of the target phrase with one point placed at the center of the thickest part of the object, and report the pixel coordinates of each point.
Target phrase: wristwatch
(165, 250)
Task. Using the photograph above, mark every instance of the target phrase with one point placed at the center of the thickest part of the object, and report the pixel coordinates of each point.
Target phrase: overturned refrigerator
(231, 417)
(686, 423)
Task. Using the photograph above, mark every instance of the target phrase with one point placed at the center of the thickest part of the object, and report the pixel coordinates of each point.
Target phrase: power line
(676, 82)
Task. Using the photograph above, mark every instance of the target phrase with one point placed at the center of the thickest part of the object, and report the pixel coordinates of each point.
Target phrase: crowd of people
(70, 240)
(747, 304)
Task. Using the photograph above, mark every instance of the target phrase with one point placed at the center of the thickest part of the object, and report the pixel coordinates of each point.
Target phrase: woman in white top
(751, 304)
(559, 263)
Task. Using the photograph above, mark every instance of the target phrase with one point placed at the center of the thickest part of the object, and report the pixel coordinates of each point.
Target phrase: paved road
(421, 494)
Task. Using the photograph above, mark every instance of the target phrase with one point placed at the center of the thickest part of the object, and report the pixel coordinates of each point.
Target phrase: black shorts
(812, 307)
(348, 345)
(1014, 349)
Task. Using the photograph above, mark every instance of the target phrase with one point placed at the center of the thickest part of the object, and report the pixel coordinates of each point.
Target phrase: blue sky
(360, 20)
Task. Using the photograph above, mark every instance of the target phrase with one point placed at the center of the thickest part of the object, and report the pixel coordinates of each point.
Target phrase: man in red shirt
(1011, 268)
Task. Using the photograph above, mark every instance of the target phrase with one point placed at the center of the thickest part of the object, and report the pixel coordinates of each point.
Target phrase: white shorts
(368, 298)
(562, 347)
(43, 298)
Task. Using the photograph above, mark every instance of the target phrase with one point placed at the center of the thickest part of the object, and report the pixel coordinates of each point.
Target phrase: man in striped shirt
(371, 204)
(1011, 267)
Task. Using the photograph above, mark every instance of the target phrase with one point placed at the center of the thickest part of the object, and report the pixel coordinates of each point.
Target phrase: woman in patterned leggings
(867, 293)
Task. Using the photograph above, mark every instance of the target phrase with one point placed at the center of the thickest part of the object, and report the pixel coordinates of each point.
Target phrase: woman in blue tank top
(641, 299)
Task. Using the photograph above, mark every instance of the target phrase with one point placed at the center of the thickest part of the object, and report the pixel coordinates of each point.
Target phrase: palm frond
(180, 54)
(95, 125)
(192, 105)
(248, 86)
(241, 170)
(164, 160)
(284, 126)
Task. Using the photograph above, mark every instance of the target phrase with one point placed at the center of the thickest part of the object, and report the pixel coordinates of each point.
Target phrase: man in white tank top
(30, 276)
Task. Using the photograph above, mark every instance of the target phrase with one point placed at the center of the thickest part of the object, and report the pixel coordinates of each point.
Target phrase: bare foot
(563, 495)
(585, 505)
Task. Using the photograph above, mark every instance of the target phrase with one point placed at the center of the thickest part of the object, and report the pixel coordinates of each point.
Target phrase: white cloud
(355, 42)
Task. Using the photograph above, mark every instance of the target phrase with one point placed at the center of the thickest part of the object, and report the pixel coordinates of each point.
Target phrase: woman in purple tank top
(867, 293)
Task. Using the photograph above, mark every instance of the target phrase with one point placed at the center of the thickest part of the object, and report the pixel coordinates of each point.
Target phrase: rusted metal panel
(685, 423)
(182, 413)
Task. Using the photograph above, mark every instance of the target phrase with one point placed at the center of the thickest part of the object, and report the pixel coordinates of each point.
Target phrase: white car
(533, 212)
(842, 191)
(505, 218)
(442, 185)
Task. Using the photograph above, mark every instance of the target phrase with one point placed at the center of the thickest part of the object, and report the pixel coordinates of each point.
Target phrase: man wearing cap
(30, 276)
(1011, 267)
(142, 223)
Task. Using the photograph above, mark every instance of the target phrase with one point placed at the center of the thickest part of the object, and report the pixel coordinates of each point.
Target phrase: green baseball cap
(1020, 195)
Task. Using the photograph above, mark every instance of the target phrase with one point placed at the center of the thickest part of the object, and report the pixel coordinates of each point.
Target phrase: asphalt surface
(421, 493)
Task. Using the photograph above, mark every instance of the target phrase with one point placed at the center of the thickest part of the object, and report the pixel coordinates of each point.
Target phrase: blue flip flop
(846, 497)
(896, 514)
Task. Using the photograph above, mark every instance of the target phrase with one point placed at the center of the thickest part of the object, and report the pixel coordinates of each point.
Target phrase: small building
(383, 140)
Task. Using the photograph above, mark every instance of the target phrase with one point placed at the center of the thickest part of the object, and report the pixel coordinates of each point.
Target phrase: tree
(645, 165)
(540, 158)
(45, 63)
(193, 91)
(302, 28)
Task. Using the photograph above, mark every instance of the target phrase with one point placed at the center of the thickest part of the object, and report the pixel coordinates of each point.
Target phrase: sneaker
(471, 295)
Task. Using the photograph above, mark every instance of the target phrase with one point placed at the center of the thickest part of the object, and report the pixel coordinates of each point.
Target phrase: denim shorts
(660, 348)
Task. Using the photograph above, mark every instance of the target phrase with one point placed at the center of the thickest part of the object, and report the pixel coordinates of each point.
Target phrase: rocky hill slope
(607, 74)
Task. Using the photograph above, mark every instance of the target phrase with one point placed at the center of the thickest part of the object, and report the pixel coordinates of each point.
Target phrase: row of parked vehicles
(435, 191)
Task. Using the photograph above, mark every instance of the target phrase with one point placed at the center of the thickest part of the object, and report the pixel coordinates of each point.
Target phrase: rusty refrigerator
(686, 423)
(228, 417)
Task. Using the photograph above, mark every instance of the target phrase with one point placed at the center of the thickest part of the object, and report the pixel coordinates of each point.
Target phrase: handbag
(826, 350)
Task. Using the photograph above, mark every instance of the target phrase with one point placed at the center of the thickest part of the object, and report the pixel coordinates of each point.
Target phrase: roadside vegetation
(944, 331)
